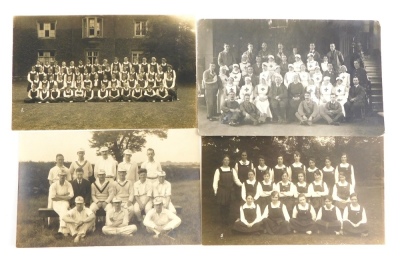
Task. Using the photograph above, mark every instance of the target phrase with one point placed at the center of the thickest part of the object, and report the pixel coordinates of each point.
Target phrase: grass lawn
(31, 233)
(121, 115)
(370, 196)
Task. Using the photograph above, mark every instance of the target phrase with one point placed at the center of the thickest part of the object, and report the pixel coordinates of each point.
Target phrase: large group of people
(282, 88)
(289, 199)
(116, 82)
(131, 197)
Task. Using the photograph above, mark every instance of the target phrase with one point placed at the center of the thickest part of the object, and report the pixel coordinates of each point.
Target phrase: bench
(47, 213)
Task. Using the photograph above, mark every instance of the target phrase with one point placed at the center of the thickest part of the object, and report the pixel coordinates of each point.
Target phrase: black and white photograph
(272, 77)
(290, 190)
(103, 72)
(108, 188)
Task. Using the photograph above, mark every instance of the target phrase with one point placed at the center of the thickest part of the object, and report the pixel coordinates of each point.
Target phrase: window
(92, 27)
(138, 55)
(46, 29)
(92, 56)
(140, 28)
(46, 56)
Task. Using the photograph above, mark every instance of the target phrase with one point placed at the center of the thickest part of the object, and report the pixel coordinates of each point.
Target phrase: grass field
(370, 196)
(121, 115)
(32, 233)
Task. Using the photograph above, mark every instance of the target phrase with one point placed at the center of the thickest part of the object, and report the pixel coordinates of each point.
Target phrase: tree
(173, 38)
(118, 141)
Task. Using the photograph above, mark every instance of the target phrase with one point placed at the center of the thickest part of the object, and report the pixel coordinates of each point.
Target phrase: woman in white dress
(313, 90)
(341, 92)
(325, 91)
(317, 76)
(304, 76)
(222, 82)
(345, 76)
(311, 63)
(230, 87)
(247, 88)
(261, 100)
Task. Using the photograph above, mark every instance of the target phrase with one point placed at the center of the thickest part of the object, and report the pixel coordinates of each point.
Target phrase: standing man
(107, 163)
(60, 193)
(251, 56)
(278, 57)
(152, 167)
(160, 220)
(79, 220)
(130, 166)
(102, 193)
(210, 83)
(81, 163)
(54, 171)
(264, 52)
(316, 55)
(142, 191)
(81, 187)
(361, 74)
(162, 190)
(226, 58)
(117, 220)
(257, 67)
(335, 57)
(123, 190)
(355, 102)
(307, 112)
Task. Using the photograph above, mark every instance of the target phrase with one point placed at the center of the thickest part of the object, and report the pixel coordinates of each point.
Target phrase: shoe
(337, 233)
(177, 99)
(154, 101)
(39, 102)
(156, 236)
(336, 123)
(294, 231)
(309, 232)
(59, 236)
(162, 100)
(77, 238)
(71, 101)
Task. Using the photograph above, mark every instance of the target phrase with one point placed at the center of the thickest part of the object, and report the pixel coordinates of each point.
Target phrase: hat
(101, 172)
(290, 65)
(157, 200)
(128, 152)
(61, 172)
(310, 54)
(297, 55)
(81, 150)
(327, 78)
(161, 173)
(79, 199)
(103, 149)
(271, 56)
(116, 199)
(142, 170)
(235, 65)
(338, 78)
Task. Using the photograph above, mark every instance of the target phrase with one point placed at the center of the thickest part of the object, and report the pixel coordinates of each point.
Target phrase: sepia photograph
(271, 77)
(103, 72)
(293, 190)
(108, 188)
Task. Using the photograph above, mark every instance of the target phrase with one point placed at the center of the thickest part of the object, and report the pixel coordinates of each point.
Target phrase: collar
(251, 206)
(280, 167)
(297, 165)
(242, 163)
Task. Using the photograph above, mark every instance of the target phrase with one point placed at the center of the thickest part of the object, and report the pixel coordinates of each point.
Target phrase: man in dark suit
(331, 74)
(250, 73)
(317, 56)
(361, 74)
(335, 57)
(257, 67)
(355, 102)
(332, 111)
(81, 187)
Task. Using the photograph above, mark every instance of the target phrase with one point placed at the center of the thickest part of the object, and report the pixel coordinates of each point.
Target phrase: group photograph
(103, 72)
(290, 190)
(260, 77)
(108, 188)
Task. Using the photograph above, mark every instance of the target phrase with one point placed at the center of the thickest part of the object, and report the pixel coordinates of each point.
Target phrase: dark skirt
(302, 225)
(341, 205)
(224, 196)
(328, 227)
(317, 202)
(289, 203)
(276, 227)
(349, 228)
(241, 227)
(263, 202)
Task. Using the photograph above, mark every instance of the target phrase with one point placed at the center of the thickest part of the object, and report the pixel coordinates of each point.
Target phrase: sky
(180, 146)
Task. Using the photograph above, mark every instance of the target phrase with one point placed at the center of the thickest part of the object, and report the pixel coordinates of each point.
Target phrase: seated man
(79, 220)
(231, 110)
(356, 101)
(307, 112)
(81, 187)
(278, 99)
(249, 110)
(159, 220)
(102, 192)
(60, 193)
(332, 111)
(162, 190)
(117, 220)
(142, 190)
(123, 190)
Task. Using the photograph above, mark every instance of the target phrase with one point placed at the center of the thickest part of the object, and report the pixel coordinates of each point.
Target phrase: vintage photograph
(289, 77)
(293, 190)
(108, 188)
(103, 72)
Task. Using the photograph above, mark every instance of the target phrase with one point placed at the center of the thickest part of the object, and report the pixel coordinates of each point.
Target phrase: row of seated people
(275, 219)
(280, 104)
(122, 200)
(149, 93)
